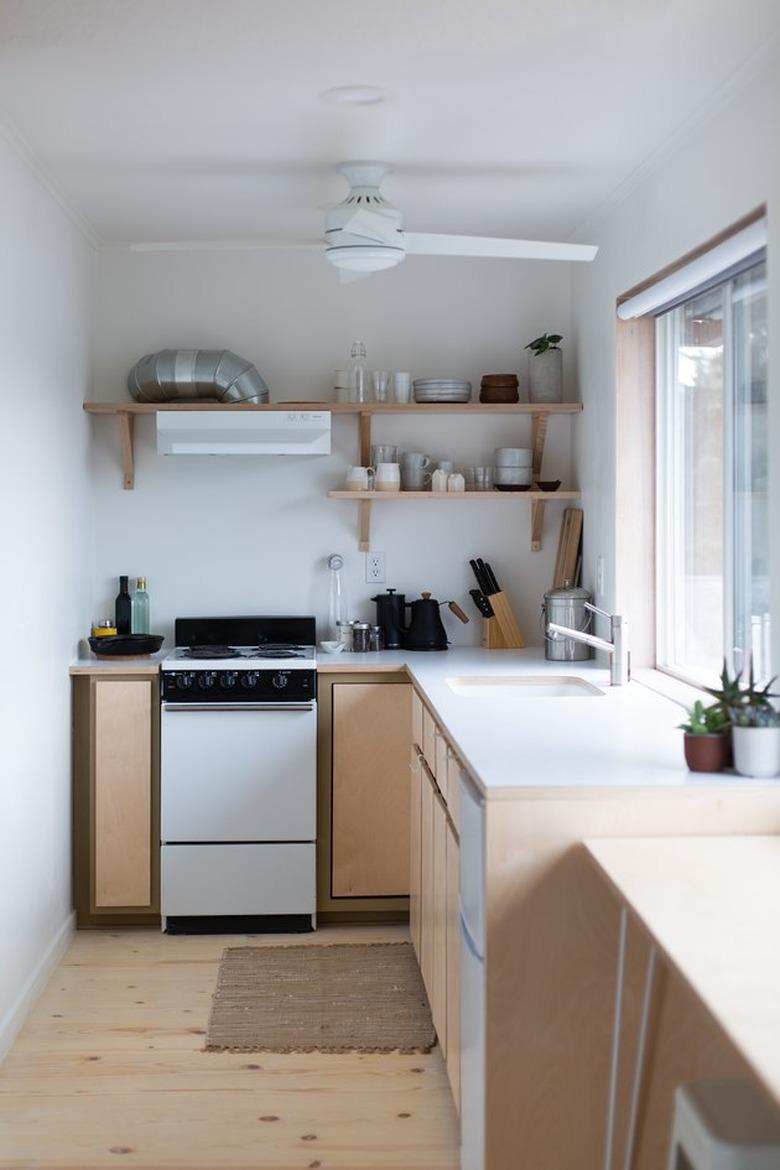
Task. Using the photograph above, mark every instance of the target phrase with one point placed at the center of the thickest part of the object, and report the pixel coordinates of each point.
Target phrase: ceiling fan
(364, 233)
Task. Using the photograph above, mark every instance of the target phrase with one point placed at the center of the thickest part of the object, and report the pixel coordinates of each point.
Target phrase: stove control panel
(225, 686)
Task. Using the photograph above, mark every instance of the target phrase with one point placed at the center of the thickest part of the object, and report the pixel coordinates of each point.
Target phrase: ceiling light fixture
(354, 95)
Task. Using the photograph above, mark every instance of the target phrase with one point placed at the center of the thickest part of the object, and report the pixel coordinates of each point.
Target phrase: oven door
(238, 772)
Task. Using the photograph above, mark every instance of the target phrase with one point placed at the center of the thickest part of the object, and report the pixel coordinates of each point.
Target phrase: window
(712, 469)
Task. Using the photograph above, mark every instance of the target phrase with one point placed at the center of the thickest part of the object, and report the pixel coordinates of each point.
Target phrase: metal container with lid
(361, 637)
(566, 607)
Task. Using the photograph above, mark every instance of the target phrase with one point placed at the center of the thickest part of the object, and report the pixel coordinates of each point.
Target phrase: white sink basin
(523, 686)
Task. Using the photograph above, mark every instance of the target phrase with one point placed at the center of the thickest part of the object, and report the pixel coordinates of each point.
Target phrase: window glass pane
(695, 483)
(750, 613)
(712, 491)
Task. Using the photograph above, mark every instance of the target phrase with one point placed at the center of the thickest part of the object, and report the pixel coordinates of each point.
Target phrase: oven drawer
(238, 879)
(238, 775)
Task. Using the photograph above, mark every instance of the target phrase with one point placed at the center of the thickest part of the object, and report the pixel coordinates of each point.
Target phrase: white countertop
(626, 737)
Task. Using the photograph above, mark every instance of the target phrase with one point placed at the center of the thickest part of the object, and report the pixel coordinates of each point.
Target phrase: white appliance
(472, 977)
(239, 774)
(243, 432)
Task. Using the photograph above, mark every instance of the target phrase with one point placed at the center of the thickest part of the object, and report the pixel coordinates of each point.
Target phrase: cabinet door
(370, 815)
(427, 802)
(453, 963)
(429, 740)
(415, 857)
(438, 991)
(454, 776)
(442, 751)
(122, 795)
(417, 720)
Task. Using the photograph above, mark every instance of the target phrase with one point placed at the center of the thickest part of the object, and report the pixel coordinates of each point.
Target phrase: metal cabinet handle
(238, 706)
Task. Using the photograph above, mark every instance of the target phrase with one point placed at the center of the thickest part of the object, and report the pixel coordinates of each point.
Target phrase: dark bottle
(123, 608)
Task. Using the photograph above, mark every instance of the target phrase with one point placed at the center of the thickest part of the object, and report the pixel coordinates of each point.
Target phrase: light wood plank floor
(109, 1071)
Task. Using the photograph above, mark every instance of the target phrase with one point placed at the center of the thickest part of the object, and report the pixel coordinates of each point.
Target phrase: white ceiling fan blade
(373, 226)
(429, 244)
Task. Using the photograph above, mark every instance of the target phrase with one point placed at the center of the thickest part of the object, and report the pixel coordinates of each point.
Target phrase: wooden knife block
(501, 632)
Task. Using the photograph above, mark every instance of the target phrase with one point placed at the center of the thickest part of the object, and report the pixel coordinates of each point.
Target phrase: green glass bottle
(141, 613)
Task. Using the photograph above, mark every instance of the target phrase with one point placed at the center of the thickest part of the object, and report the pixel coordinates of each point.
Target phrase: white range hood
(262, 432)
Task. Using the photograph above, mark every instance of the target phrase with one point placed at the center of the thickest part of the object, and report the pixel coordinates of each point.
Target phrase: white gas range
(239, 774)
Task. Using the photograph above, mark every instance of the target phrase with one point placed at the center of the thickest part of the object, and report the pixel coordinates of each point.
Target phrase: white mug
(360, 479)
(388, 477)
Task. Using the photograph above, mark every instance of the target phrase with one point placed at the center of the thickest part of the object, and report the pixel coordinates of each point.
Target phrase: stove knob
(183, 680)
(228, 679)
(206, 680)
(280, 681)
(249, 679)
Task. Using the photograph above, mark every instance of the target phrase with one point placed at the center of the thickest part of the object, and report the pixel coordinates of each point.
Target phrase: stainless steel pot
(566, 607)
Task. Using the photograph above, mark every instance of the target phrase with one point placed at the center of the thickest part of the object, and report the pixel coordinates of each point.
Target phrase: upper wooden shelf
(343, 407)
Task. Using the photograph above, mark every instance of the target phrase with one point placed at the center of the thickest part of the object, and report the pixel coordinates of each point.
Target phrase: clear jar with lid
(375, 639)
(345, 633)
(361, 637)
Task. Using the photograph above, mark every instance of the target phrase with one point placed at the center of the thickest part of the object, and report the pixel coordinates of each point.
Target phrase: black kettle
(426, 629)
(390, 616)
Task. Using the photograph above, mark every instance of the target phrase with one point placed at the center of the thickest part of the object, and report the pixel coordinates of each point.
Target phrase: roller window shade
(740, 251)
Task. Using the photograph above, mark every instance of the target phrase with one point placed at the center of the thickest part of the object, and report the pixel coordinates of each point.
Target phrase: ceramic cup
(388, 477)
(415, 476)
(383, 454)
(402, 387)
(360, 479)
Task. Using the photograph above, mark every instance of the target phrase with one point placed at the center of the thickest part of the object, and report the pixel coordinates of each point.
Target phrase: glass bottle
(141, 613)
(122, 608)
(337, 603)
(357, 372)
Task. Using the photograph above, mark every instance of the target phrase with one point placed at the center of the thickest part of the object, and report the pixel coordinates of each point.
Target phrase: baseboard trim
(13, 1020)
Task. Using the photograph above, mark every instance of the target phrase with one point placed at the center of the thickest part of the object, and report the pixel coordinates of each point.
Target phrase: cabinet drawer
(237, 879)
(415, 856)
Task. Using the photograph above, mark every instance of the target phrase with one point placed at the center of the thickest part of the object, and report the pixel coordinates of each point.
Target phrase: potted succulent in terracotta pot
(707, 743)
(545, 369)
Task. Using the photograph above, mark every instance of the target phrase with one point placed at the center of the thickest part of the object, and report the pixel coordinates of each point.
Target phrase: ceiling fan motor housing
(370, 248)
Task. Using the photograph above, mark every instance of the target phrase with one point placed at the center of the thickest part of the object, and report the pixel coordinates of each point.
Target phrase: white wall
(45, 520)
(720, 170)
(232, 535)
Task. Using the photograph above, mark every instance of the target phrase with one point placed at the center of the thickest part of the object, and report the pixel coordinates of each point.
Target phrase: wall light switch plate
(375, 568)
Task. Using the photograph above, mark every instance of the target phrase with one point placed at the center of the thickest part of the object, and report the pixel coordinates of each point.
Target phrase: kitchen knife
(493, 585)
(484, 579)
(479, 575)
(481, 602)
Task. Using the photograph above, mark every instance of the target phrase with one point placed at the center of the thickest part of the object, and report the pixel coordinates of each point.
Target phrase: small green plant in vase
(755, 724)
(545, 368)
(707, 745)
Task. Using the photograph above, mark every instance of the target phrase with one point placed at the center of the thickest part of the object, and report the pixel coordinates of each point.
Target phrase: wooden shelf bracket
(126, 431)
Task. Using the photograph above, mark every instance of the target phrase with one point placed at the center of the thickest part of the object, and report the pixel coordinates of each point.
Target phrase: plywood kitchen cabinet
(364, 742)
(116, 799)
(434, 881)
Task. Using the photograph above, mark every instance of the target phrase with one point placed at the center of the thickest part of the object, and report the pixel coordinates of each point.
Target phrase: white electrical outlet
(599, 578)
(375, 568)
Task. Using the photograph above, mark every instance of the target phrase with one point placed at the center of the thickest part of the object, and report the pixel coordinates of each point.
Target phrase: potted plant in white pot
(545, 368)
(755, 724)
(707, 743)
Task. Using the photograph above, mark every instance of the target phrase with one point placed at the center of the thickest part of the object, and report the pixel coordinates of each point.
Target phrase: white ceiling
(200, 119)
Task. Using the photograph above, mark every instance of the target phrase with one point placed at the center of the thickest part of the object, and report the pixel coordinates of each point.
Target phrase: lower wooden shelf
(536, 499)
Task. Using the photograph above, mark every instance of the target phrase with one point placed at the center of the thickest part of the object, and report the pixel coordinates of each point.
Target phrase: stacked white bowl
(513, 467)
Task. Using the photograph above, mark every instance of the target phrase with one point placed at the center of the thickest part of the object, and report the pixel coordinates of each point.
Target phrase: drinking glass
(483, 479)
(380, 380)
(469, 474)
(402, 387)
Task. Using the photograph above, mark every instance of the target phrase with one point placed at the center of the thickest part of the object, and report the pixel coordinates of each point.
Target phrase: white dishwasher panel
(238, 775)
(237, 879)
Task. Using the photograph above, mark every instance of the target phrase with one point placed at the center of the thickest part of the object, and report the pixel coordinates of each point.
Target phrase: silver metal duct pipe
(186, 374)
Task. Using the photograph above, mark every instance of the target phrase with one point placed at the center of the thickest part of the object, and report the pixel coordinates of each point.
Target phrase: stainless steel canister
(566, 607)
(361, 637)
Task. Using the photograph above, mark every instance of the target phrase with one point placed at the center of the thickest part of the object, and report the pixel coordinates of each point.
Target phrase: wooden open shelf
(536, 499)
(365, 411)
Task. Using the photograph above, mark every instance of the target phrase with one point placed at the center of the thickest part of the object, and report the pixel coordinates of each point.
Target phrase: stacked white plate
(441, 390)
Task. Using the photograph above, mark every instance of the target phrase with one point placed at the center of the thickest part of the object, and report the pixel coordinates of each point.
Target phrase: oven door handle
(166, 706)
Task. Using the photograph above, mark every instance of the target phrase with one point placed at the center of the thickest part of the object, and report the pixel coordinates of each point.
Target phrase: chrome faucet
(619, 654)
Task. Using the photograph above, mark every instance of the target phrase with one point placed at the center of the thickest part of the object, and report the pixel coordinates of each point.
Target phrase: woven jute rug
(332, 998)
